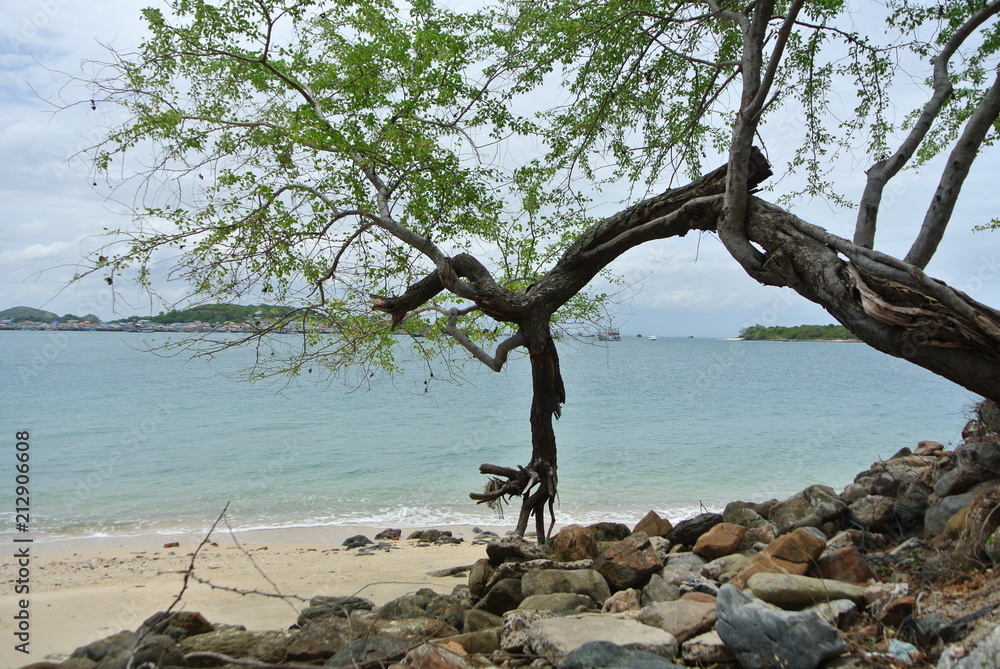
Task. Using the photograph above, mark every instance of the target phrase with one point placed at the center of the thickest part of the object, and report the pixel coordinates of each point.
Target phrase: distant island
(797, 333)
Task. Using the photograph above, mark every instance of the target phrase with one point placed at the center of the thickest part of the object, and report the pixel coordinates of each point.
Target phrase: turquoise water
(124, 442)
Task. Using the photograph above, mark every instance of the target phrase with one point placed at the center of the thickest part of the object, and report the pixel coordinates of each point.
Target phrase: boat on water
(610, 335)
(652, 337)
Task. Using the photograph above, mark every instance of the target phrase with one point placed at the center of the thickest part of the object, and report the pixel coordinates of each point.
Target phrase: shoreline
(85, 589)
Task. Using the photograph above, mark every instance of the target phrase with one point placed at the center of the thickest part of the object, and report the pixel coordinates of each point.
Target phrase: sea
(123, 441)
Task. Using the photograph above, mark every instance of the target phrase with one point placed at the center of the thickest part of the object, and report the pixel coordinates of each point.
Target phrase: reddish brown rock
(844, 564)
(575, 542)
(628, 563)
(792, 553)
(448, 655)
(928, 448)
(897, 610)
(653, 525)
(699, 597)
(720, 541)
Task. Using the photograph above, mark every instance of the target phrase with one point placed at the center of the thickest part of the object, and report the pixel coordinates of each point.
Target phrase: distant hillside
(797, 333)
(221, 313)
(26, 314)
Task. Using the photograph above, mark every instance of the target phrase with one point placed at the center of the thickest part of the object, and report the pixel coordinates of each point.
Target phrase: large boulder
(937, 515)
(505, 595)
(792, 553)
(577, 581)
(558, 637)
(762, 636)
(683, 618)
(652, 525)
(844, 564)
(791, 591)
(723, 539)
(606, 531)
(628, 563)
(811, 507)
(575, 542)
(687, 531)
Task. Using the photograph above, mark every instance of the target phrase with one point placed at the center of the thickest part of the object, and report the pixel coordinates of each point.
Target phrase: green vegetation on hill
(796, 333)
(221, 313)
(27, 314)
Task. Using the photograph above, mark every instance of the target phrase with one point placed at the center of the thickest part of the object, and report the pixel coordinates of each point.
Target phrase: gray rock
(937, 515)
(811, 507)
(724, 568)
(578, 581)
(430, 536)
(267, 646)
(875, 513)
(157, 650)
(912, 504)
(558, 637)
(401, 608)
(762, 636)
(556, 602)
(794, 591)
(983, 455)
(389, 534)
(607, 655)
(961, 479)
(697, 583)
(514, 630)
(681, 565)
(481, 642)
(688, 531)
(503, 596)
(658, 590)
(984, 656)
(609, 531)
(513, 548)
(478, 619)
(357, 541)
(317, 640)
(369, 648)
(111, 645)
(447, 609)
(479, 575)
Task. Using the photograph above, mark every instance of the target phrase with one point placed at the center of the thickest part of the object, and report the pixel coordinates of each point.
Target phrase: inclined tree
(376, 165)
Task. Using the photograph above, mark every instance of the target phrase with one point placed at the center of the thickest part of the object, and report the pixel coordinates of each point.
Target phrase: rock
(478, 619)
(513, 548)
(992, 547)
(369, 648)
(682, 618)
(480, 642)
(721, 540)
(652, 525)
(897, 610)
(761, 636)
(984, 655)
(698, 584)
(937, 515)
(794, 591)
(628, 563)
(436, 656)
(811, 507)
(514, 630)
(875, 513)
(430, 536)
(844, 564)
(979, 454)
(414, 628)
(912, 504)
(841, 613)
(556, 602)
(575, 542)
(154, 651)
(658, 590)
(724, 568)
(558, 637)
(607, 655)
(705, 649)
(447, 609)
(388, 535)
(758, 528)
(269, 646)
(503, 596)
(622, 601)
(111, 645)
(699, 597)
(445, 541)
(960, 479)
(688, 531)
(578, 581)
(318, 639)
(416, 535)
(479, 576)
(401, 608)
(681, 565)
(357, 541)
(603, 532)
(928, 448)
(661, 546)
(177, 626)
(792, 553)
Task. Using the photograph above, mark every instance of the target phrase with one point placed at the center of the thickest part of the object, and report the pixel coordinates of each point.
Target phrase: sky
(53, 215)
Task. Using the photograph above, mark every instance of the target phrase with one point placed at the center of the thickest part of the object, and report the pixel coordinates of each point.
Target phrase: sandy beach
(82, 590)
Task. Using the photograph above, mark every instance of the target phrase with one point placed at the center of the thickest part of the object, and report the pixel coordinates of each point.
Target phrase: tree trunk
(536, 484)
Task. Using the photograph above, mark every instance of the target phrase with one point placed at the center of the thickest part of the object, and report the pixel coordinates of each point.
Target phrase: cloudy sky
(52, 214)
